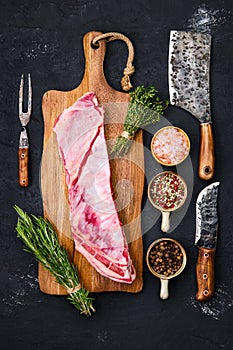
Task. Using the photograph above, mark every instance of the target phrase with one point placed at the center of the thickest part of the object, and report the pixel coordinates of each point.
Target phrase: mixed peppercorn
(166, 258)
(167, 190)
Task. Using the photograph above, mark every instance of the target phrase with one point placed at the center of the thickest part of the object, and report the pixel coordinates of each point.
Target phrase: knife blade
(206, 240)
(189, 67)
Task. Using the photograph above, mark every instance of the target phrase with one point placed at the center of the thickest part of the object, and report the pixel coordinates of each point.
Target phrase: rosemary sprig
(40, 239)
(145, 107)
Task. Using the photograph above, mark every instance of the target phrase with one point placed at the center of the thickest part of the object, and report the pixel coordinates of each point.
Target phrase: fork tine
(29, 102)
(29, 95)
(21, 95)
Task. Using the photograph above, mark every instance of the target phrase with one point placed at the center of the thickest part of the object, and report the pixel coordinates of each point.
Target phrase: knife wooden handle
(205, 274)
(206, 157)
(23, 167)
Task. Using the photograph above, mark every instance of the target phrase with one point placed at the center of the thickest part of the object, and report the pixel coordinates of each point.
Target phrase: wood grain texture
(23, 166)
(205, 274)
(127, 175)
(206, 156)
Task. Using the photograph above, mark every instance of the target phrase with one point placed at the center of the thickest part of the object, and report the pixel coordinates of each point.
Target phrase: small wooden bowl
(180, 131)
(165, 225)
(164, 293)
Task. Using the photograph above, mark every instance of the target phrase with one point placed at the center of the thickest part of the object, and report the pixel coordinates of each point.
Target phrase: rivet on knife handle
(23, 167)
(205, 274)
(206, 157)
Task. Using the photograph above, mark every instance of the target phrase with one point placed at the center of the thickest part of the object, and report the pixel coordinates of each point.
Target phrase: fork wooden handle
(23, 167)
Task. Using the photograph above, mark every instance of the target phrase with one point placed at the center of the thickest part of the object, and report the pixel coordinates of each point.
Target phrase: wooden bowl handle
(206, 157)
(205, 274)
(164, 294)
(165, 226)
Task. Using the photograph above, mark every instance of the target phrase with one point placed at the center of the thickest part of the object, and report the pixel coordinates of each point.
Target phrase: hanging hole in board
(207, 170)
(95, 46)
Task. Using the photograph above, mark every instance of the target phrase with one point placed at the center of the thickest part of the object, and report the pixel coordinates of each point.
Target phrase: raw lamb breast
(95, 224)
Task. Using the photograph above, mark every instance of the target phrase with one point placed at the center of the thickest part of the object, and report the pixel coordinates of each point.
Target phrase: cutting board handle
(94, 59)
(129, 69)
(94, 44)
(206, 158)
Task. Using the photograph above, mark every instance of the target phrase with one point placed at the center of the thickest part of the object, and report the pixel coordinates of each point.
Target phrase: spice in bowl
(167, 191)
(170, 146)
(166, 258)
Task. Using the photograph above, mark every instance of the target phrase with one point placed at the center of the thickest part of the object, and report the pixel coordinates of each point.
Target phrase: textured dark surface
(45, 39)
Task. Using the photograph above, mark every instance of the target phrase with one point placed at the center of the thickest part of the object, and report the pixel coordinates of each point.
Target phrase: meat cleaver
(206, 240)
(189, 66)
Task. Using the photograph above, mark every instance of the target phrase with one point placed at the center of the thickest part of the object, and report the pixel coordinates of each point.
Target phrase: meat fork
(24, 118)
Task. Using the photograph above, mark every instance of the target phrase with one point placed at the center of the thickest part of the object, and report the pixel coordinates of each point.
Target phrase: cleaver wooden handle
(205, 274)
(23, 167)
(206, 157)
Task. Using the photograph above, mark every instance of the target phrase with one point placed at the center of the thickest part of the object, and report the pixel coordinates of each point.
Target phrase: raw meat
(96, 228)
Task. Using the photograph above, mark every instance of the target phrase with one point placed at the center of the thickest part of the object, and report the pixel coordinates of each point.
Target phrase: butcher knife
(206, 240)
(189, 66)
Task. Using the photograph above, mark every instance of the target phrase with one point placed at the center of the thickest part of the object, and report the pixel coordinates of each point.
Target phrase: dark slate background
(45, 39)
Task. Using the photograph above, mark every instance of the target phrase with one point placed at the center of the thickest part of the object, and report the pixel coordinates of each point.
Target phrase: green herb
(41, 240)
(145, 107)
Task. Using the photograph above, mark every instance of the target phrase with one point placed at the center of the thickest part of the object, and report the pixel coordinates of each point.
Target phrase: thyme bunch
(145, 108)
(41, 240)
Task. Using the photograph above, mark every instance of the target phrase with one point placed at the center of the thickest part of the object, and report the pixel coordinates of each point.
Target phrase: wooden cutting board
(127, 175)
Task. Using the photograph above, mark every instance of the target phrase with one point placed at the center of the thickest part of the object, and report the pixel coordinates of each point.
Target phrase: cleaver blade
(189, 81)
(206, 240)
